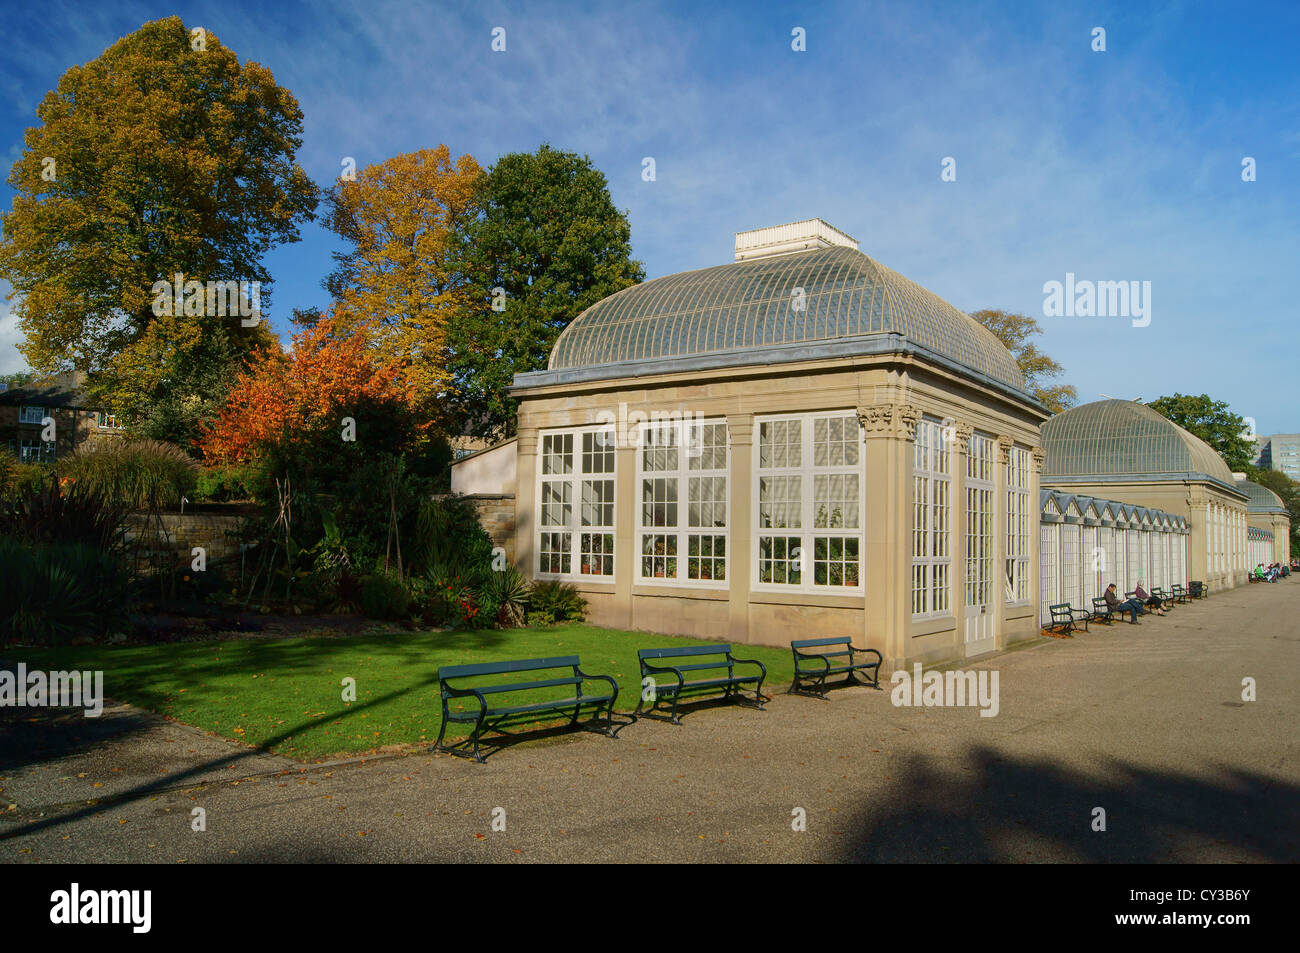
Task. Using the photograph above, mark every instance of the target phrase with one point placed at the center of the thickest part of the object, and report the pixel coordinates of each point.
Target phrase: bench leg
(442, 731)
(609, 719)
(673, 715)
(478, 731)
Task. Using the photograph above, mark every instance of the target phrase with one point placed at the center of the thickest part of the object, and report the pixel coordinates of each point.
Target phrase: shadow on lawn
(178, 778)
(28, 736)
(1006, 810)
(31, 736)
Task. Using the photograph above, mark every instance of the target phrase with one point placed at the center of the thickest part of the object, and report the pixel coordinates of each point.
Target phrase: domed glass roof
(1122, 439)
(1261, 498)
(771, 310)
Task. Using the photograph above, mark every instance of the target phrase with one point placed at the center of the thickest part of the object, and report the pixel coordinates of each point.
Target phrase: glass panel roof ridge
(1124, 437)
(752, 304)
(1261, 498)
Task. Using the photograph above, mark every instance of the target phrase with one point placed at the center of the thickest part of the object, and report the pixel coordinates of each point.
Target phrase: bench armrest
(853, 648)
(449, 692)
(809, 657)
(599, 678)
(748, 661)
(648, 669)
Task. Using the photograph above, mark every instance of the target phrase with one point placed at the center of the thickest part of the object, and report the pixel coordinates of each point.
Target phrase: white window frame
(686, 440)
(932, 459)
(25, 414)
(1017, 565)
(807, 532)
(981, 477)
(573, 480)
(36, 450)
(109, 421)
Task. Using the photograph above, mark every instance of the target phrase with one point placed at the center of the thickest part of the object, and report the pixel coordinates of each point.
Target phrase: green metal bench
(1062, 618)
(1179, 593)
(720, 657)
(1101, 612)
(487, 715)
(818, 666)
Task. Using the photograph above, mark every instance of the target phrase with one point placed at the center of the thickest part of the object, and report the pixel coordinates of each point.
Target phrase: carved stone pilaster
(876, 419)
(1039, 456)
(890, 420)
(906, 417)
(1005, 443)
(961, 434)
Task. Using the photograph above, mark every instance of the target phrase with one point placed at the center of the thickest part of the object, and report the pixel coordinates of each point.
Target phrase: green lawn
(286, 695)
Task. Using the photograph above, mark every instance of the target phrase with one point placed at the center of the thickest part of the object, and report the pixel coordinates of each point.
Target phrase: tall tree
(1213, 422)
(163, 156)
(548, 243)
(1016, 331)
(401, 276)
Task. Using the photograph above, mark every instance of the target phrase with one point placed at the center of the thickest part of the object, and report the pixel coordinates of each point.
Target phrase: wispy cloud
(1115, 165)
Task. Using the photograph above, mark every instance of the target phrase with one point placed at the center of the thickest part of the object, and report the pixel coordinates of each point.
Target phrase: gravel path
(1146, 722)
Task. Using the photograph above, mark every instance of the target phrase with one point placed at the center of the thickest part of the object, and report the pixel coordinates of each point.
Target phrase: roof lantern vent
(787, 239)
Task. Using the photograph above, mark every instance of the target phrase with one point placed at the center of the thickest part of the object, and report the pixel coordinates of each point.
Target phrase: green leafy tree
(163, 156)
(550, 238)
(1213, 422)
(1016, 331)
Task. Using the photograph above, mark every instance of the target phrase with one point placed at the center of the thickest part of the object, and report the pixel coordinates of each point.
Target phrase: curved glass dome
(746, 313)
(1114, 439)
(1261, 498)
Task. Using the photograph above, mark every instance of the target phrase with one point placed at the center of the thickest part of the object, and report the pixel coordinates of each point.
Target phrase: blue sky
(1122, 165)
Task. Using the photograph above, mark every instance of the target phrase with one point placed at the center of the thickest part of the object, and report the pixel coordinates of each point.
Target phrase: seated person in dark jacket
(1113, 603)
(1148, 600)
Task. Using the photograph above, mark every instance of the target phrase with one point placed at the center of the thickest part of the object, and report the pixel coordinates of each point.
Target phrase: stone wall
(496, 513)
(214, 527)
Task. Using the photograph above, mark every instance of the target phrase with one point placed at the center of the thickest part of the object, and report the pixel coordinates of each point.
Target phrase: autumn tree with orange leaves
(295, 405)
(400, 276)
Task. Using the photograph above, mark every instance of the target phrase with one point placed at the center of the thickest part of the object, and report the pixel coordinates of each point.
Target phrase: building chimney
(787, 239)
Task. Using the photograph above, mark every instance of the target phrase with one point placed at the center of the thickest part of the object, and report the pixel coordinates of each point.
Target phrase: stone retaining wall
(497, 516)
(216, 531)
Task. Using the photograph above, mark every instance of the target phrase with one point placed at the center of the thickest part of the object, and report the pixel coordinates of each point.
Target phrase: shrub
(135, 474)
(448, 533)
(552, 602)
(384, 597)
(52, 593)
(510, 591)
(47, 513)
(17, 478)
(224, 484)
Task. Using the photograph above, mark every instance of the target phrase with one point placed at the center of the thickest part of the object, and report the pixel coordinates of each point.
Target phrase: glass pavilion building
(799, 443)
(1270, 522)
(1123, 450)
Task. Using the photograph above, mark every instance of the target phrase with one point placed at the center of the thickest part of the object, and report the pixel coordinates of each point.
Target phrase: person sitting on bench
(1148, 600)
(1259, 572)
(1131, 605)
